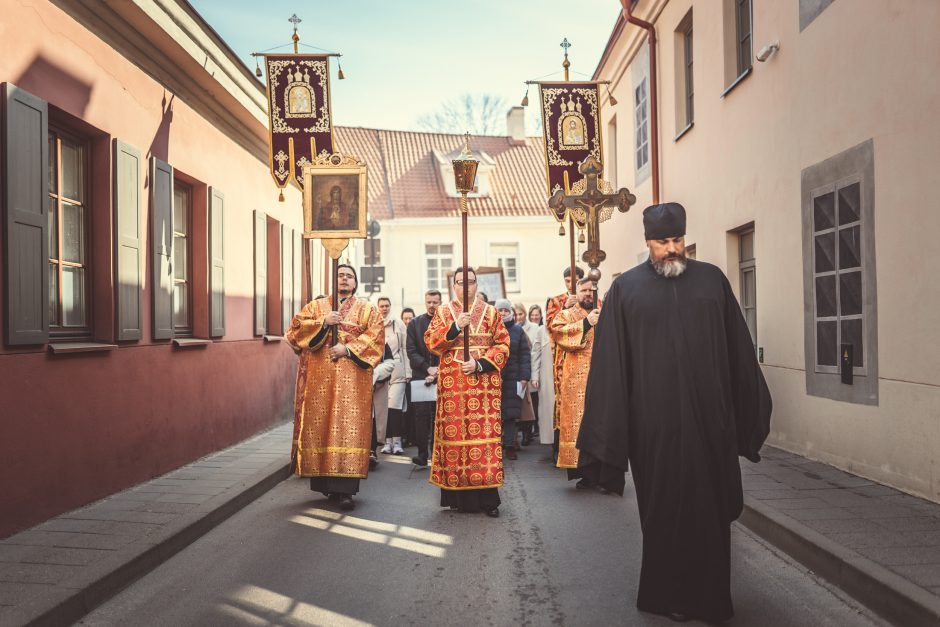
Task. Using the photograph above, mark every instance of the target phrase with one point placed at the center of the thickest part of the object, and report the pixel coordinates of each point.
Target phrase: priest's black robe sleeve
(751, 396)
(603, 436)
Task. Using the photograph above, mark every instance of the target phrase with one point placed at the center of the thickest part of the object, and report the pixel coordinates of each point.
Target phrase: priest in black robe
(675, 395)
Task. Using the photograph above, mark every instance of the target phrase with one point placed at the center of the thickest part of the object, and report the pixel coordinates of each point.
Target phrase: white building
(413, 197)
(802, 138)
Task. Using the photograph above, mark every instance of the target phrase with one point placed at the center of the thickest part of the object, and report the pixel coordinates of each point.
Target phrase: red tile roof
(405, 180)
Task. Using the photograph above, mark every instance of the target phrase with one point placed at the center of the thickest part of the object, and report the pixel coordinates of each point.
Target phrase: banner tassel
(280, 197)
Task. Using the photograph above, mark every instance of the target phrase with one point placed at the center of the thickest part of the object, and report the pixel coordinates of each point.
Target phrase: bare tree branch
(481, 114)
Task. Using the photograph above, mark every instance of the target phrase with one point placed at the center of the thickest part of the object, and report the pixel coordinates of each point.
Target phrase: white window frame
(438, 257)
(512, 286)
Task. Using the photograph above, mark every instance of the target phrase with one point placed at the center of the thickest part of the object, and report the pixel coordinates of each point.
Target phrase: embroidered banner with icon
(300, 124)
(571, 130)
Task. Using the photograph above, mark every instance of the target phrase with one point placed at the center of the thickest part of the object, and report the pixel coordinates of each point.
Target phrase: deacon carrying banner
(299, 119)
(571, 130)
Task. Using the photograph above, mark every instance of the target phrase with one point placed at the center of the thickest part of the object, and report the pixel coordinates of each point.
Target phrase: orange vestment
(333, 403)
(576, 346)
(555, 306)
(468, 429)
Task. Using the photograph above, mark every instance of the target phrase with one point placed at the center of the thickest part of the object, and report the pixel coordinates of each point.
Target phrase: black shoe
(677, 617)
(526, 440)
(584, 484)
(510, 453)
(346, 503)
(333, 496)
(419, 461)
(492, 513)
(373, 461)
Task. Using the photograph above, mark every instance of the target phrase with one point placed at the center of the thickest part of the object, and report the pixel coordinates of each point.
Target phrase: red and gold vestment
(333, 402)
(468, 452)
(576, 347)
(555, 306)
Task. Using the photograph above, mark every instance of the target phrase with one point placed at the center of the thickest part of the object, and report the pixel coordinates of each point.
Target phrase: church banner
(571, 130)
(300, 123)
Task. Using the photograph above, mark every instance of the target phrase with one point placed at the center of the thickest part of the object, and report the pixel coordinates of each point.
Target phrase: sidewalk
(874, 542)
(56, 572)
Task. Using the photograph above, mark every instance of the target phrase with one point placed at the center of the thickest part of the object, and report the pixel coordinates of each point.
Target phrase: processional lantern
(465, 175)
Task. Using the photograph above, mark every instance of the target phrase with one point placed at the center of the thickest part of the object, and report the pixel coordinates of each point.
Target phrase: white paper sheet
(421, 393)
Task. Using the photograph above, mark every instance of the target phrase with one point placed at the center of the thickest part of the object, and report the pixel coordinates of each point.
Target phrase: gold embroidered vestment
(467, 453)
(333, 401)
(576, 346)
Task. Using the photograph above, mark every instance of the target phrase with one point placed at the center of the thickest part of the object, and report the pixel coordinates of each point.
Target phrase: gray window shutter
(261, 273)
(161, 234)
(127, 186)
(216, 264)
(26, 216)
(287, 285)
(297, 273)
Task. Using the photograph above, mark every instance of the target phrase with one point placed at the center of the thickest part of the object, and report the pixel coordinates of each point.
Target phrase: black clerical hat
(664, 220)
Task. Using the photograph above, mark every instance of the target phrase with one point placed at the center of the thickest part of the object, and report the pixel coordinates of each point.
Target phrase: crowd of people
(659, 378)
(402, 380)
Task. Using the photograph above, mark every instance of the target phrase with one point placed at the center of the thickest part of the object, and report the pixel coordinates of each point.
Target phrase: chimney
(515, 124)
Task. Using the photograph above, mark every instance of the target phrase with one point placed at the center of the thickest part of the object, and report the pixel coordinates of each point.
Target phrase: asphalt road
(556, 556)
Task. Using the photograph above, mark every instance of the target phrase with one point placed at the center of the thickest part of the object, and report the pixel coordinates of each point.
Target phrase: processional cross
(589, 205)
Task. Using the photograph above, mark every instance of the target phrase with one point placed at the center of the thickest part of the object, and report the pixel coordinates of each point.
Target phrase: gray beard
(670, 268)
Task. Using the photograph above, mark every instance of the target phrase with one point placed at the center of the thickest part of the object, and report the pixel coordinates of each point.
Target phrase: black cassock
(675, 394)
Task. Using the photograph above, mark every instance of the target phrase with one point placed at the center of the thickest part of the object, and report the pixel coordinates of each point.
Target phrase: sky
(406, 58)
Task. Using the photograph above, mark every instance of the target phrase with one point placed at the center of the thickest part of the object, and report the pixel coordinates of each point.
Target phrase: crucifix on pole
(592, 201)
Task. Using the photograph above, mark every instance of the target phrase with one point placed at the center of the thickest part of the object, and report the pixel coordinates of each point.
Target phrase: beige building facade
(802, 139)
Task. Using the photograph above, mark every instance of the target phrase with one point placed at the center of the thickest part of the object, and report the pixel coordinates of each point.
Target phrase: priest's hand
(432, 371)
(463, 320)
(469, 366)
(338, 351)
(333, 318)
(572, 301)
(593, 316)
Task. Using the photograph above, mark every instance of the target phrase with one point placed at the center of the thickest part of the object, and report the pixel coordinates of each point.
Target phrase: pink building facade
(146, 266)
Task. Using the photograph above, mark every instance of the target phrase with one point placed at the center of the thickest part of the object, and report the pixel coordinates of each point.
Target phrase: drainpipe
(654, 106)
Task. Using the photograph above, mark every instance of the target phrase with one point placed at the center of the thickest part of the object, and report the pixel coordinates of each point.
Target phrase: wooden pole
(335, 330)
(466, 277)
(574, 280)
(306, 288)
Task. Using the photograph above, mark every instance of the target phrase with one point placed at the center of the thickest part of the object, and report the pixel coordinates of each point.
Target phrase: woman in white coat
(391, 425)
(546, 387)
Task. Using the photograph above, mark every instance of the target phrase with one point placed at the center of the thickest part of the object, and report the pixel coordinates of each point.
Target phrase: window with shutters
(68, 235)
(506, 256)
(840, 299)
(438, 260)
(182, 258)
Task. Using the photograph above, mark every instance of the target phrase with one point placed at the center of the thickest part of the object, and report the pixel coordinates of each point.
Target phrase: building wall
(852, 75)
(543, 255)
(77, 427)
